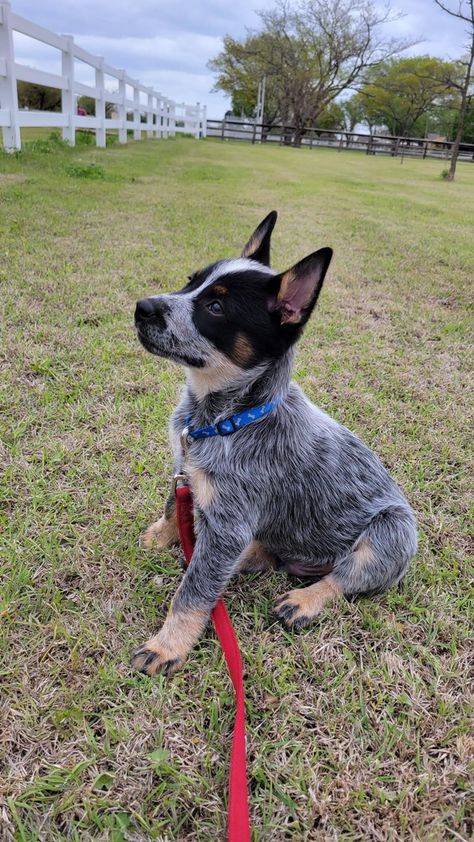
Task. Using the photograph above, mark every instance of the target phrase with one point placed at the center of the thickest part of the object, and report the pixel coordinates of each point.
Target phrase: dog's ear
(301, 285)
(258, 247)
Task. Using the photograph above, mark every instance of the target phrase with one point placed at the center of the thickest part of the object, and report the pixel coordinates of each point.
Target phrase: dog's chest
(207, 469)
(203, 487)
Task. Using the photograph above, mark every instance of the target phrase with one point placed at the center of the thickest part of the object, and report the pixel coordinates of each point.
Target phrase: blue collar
(232, 424)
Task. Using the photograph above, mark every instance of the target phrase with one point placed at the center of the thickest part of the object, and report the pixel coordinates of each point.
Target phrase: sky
(166, 45)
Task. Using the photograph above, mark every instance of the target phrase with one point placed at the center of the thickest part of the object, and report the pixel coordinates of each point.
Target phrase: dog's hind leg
(381, 555)
(164, 533)
(255, 559)
(378, 559)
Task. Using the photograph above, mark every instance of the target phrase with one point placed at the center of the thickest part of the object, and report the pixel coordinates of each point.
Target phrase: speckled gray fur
(296, 481)
(299, 483)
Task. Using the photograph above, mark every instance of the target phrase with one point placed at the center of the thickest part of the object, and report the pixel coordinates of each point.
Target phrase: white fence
(158, 117)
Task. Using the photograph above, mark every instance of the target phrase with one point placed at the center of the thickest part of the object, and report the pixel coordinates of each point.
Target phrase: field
(358, 727)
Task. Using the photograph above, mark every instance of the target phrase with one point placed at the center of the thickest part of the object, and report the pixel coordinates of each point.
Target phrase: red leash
(239, 823)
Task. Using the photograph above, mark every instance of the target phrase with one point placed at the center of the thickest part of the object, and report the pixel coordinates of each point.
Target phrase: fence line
(163, 116)
(371, 144)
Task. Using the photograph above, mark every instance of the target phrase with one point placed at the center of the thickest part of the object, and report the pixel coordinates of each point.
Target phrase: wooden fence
(371, 144)
(158, 116)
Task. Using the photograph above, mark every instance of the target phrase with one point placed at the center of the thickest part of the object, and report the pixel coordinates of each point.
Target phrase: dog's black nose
(152, 310)
(146, 308)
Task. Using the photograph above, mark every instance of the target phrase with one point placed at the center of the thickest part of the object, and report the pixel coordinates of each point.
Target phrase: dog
(277, 483)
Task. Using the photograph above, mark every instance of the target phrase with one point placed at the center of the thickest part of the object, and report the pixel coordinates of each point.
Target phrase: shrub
(78, 170)
(85, 137)
(49, 144)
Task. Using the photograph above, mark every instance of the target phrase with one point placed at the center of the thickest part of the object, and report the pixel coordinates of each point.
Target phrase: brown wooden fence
(371, 144)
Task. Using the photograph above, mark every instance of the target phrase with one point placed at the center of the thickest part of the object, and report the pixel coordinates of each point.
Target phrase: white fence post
(204, 121)
(100, 135)
(198, 120)
(162, 117)
(149, 116)
(137, 132)
(8, 91)
(172, 119)
(122, 110)
(156, 132)
(68, 100)
(159, 105)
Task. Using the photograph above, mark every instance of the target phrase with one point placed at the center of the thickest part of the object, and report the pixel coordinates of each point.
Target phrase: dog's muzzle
(151, 311)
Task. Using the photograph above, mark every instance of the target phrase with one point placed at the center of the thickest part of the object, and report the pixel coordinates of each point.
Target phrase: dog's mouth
(170, 353)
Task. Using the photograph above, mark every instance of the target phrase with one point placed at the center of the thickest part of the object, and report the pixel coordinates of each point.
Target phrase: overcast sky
(167, 45)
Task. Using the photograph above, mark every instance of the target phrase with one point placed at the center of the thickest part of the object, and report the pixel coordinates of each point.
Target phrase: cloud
(185, 52)
(436, 33)
(167, 45)
(164, 45)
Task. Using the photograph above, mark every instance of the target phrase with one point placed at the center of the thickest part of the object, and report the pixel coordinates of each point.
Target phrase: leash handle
(239, 823)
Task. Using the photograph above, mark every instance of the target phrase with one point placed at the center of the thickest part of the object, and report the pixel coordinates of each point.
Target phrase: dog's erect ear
(258, 247)
(301, 285)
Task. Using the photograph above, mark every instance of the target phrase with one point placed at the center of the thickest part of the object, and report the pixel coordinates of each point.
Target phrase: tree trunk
(457, 139)
(300, 131)
(461, 118)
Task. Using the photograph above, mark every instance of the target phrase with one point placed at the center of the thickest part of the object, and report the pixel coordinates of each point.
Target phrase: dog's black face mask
(236, 312)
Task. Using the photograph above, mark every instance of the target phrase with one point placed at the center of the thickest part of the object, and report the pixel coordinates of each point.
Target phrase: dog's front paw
(168, 650)
(299, 607)
(152, 658)
(159, 535)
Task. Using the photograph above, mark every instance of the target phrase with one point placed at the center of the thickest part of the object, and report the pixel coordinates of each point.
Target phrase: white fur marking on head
(230, 267)
(238, 264)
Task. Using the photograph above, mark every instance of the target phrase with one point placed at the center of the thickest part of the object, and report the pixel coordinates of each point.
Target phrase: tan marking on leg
(298, 607)
(255, 558)
(163, 533)
(242, 352)
(362, 552)
(169, 648)
(203, 489)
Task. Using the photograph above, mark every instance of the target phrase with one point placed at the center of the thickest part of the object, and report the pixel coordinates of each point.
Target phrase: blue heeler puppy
(276, 481)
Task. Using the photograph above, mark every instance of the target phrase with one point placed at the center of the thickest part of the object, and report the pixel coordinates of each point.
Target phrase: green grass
(359, 727)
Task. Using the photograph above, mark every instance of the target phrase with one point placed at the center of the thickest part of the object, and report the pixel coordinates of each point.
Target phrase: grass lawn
(359, 727)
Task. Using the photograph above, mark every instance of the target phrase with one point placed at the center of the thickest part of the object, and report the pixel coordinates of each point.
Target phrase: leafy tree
(309, 52)
(88, 103)
(464, 11)
(42, 98)
(442, 119)
(38, 97)
(332, 118)
(400, 93)
(240, 68)
(468, 127)
(353, 113)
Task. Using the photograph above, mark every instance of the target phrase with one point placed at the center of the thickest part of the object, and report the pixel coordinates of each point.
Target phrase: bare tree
(310, 52)
(463, 10)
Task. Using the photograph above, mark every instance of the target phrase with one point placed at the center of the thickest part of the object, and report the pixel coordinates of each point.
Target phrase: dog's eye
(215, 307)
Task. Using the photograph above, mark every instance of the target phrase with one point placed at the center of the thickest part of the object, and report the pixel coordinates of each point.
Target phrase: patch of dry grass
(359, 727)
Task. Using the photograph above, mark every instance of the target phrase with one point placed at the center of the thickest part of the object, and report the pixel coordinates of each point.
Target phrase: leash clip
(179, 479)
(184, 440)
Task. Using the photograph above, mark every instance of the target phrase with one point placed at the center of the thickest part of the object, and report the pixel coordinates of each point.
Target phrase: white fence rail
(159, 117)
